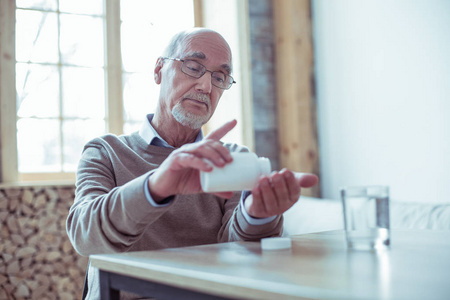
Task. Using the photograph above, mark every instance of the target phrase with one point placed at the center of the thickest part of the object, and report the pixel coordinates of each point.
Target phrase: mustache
(199, 97)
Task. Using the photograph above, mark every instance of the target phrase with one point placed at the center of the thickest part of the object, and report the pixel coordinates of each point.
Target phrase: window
(81, 69)
(60, 82)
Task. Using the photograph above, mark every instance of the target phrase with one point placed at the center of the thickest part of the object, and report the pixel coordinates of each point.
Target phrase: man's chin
(188, 119)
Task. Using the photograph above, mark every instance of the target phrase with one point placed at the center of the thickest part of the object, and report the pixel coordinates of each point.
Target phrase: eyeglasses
(197, 70)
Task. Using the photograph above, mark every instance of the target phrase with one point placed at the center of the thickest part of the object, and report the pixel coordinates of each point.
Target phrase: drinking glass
(366, 217)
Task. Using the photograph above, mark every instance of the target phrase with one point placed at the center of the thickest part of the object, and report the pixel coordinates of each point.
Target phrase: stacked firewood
(37, 260)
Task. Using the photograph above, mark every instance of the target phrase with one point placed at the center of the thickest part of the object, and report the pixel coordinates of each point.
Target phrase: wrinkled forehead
(210, 47)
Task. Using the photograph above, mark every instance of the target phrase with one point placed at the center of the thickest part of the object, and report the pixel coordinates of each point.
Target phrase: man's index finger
(220, 132)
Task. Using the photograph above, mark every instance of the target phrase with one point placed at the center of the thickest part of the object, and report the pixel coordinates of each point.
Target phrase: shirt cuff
(248, 218)
(152, 202)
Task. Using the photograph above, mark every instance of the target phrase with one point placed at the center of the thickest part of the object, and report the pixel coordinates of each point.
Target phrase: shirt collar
(151, 137)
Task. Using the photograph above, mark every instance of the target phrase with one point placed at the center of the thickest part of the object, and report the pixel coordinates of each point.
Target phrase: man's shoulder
(112, 141)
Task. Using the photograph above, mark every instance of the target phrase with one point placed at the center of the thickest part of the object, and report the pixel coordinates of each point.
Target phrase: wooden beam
(198, 22)
(245, 80)
(295, 99)
(198, 13)
(114, 90)
(8, 126)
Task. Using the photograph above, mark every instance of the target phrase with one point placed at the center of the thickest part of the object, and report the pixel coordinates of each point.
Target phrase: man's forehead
(202, 56)
(195, 54)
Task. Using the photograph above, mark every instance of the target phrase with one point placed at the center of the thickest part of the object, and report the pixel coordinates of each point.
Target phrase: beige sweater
(111, 214)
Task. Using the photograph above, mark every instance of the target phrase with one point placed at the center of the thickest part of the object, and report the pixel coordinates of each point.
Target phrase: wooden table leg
(107, 292)
(111, 284)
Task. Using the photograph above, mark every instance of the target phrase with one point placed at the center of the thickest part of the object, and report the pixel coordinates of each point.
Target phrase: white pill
(276, 243)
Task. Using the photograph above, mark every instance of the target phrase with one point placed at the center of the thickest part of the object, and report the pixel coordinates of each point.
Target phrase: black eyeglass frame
(206, 70)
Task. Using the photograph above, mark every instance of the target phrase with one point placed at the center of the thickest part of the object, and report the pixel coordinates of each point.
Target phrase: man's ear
(157, 71)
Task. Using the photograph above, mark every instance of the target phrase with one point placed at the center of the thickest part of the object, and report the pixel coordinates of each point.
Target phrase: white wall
(383, 92)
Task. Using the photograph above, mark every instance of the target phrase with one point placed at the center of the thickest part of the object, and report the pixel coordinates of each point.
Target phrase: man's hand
(276, 193)
(179, 173)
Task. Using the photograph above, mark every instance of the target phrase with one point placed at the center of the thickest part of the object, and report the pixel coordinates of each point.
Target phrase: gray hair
(174, 46)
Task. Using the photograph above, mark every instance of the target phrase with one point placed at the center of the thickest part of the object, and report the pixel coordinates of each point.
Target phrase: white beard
(189, 119)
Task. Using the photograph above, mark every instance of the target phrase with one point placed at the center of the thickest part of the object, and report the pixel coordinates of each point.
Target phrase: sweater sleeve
(236, 227)
(106, 218)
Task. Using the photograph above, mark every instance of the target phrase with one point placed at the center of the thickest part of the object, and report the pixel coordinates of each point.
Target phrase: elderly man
(142, 191)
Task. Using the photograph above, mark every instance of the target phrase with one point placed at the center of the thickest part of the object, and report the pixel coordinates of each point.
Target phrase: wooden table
(319, 266)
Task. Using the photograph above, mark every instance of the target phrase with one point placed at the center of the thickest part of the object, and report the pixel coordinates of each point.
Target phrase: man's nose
(204, 84)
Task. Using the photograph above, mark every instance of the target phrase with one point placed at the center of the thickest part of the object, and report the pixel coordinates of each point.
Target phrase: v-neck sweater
(111, 214)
